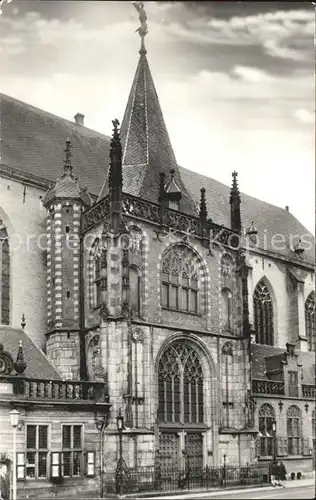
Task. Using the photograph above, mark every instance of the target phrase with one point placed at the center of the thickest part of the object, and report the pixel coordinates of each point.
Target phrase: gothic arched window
(97, 264)
(266, 418)
(180, 385)
(263, 314)
(226, 309)
(180, 280)
(5, 276)
(294, 430)
(135, 290)
(310, 321)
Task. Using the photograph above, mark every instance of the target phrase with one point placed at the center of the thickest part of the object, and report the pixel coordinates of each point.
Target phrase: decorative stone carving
(138, 335)
(6, 362)
(227, 349)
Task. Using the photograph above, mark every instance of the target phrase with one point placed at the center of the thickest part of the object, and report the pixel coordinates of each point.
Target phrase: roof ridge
(52, 115)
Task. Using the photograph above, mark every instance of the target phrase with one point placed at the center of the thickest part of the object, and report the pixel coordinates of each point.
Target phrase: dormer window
(174, 204)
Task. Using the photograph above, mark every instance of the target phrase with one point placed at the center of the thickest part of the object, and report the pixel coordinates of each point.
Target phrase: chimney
(287, 208)
(79, 119)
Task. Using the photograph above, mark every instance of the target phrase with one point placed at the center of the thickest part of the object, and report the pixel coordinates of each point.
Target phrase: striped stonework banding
(49, 267)
(203, 274)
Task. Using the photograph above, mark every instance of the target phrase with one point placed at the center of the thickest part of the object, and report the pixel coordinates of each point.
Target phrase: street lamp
(274, 438)
(14, 420)
(120, 464)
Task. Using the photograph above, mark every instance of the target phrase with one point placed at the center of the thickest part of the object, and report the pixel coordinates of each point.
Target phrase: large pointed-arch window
(294, 430)
(310, 321)
(5, 277)
(263, 314)
(180, 380)
(266, 418)
(180, 280)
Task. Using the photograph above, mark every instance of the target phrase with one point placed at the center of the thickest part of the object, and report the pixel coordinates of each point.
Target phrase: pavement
(304, 488)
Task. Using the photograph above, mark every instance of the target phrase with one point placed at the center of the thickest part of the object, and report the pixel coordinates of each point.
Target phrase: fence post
(224, 471)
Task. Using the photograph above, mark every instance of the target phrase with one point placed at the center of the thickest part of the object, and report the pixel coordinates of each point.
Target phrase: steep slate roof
(260, 352)
(38, 366)
(33, 141)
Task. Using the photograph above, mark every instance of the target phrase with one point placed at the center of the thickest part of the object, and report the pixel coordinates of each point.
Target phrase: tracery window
(310, 321)
(266, 418)
(135, 290)
(294, 430)
(97, 279)
(180, 280)
(180, 385)
(263, 314)
(5, 276)
(226, 309)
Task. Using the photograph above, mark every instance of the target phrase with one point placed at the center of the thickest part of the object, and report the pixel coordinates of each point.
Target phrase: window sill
(164, 308)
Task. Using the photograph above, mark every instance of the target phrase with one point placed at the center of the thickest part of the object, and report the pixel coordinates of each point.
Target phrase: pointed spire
(115, 170)
(23, 323)
(235, 205)
(203, 207)
(20, 365)
(67, 160)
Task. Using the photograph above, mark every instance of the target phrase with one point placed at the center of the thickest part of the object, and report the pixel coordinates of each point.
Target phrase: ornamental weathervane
(142, 30)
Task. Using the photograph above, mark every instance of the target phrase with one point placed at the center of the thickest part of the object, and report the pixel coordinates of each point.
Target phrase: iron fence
(149, 479)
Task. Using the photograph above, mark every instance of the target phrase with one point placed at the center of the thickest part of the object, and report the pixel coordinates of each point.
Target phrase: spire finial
(142, 30)
(67, 160)
(115, 171)
(23, 323)
(20, 364)
(203, 207)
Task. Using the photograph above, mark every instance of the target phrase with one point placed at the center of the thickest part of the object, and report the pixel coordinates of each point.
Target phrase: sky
(235, 81)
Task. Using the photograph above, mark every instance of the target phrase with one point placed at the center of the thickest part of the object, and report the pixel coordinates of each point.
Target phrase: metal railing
(152, 479)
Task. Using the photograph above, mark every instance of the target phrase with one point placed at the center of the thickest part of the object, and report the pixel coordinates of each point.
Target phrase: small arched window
(226, 309)
(135, 290)
(266, 418)
(180, 385)
(294, 430)
(263, 314)
(5, 276)
(310, 321)
(98, 273)
(180, 280)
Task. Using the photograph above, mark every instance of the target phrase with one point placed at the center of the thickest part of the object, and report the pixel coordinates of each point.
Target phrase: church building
(144, 304)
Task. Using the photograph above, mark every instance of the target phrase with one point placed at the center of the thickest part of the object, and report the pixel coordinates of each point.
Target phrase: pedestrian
(281, 473)
(273, 471)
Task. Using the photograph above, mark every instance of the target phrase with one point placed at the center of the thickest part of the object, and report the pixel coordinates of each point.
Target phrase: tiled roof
(260, 352)
(145, 138)
(38, 366)
(33, 141)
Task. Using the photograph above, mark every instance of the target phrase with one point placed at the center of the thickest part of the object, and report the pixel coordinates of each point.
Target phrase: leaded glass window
(294, 430)
(5, 276)
(180, 280)
(266, 418)
(310, 321)
(263, 314)
(180, 385)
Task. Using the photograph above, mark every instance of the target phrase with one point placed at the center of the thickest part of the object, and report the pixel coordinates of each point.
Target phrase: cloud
(305, 116)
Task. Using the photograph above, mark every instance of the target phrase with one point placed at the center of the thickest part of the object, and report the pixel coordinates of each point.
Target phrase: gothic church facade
(151, 294)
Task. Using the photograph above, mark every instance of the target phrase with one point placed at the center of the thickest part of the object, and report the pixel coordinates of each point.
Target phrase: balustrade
(27, 388)
(308, 391)
(267, 387)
